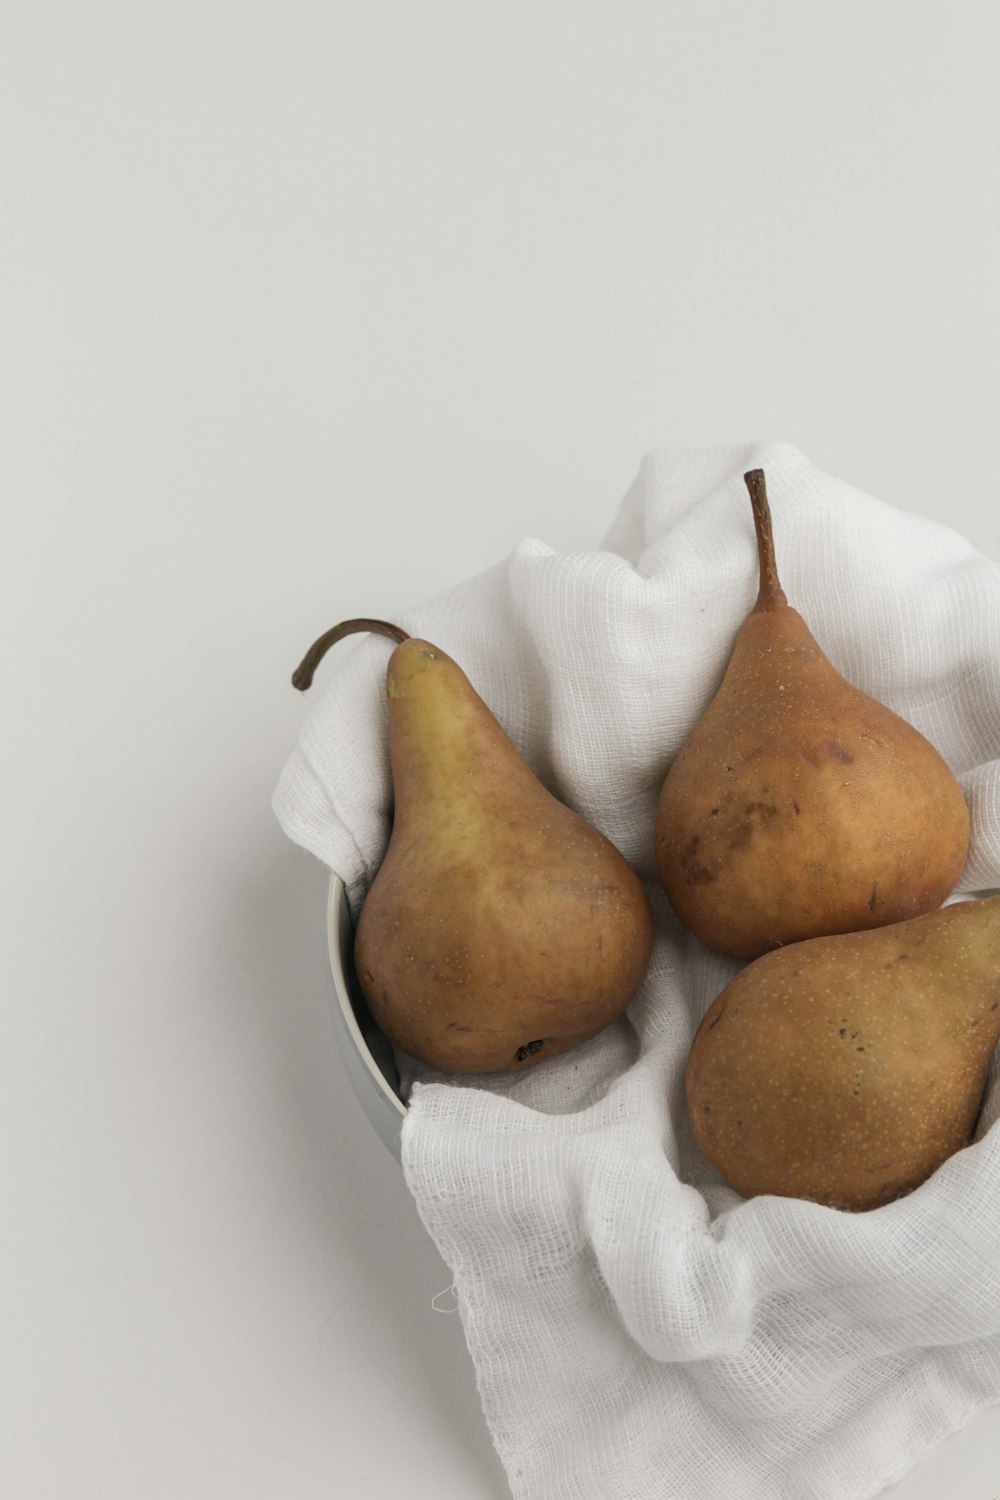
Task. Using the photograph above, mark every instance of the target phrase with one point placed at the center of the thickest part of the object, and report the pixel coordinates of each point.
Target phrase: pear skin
(846, 1069)
(800, 806)
(501, 928)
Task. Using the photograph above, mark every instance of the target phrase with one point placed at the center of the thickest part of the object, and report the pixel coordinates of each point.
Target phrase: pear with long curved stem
(501, 928)
(799, 805)
(847, 1069)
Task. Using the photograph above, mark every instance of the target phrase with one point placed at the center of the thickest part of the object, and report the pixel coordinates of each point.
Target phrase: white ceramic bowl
(367, 1055)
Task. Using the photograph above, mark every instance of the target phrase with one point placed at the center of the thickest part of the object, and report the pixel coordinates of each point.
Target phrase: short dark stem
(770, 593)
(304, 672)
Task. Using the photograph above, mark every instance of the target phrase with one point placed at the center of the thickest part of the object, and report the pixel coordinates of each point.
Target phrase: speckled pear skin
(501, 928)
(846, 1069)
(800, 806)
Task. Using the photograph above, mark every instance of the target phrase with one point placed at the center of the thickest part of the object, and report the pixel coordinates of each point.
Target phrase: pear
(501, 928)
(846, 1069)
(800, 806)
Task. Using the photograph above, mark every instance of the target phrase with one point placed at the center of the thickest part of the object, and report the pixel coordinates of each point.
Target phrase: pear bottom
(497, 970)
(847, 1069)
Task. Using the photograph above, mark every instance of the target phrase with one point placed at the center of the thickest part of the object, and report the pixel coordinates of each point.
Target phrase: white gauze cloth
(638, 1329)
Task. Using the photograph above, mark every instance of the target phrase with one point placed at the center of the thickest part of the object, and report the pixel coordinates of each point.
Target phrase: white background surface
(310, 310)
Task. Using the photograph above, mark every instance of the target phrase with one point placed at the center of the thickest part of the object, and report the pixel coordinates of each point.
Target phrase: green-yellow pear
(799, 805)
(501, 928)
(846, 1069)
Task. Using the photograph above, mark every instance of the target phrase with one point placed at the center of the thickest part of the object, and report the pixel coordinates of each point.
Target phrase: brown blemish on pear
(501, 928)
(804, 794)
(847, 1069)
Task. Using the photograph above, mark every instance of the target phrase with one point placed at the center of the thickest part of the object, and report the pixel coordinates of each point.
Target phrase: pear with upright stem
(799, 805)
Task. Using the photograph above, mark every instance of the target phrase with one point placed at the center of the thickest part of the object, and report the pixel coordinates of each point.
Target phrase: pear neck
(445, 746)
(987, 909)
(770, 595)
(981, 918)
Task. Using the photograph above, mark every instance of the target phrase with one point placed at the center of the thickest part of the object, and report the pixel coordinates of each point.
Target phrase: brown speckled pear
(501, 928)
(799, 806)
(846, 1069)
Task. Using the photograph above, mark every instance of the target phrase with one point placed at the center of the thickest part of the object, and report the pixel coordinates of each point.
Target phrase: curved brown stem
(770, 594)
(304, 672)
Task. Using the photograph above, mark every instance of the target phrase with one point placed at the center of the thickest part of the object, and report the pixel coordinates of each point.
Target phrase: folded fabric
(638, 1329)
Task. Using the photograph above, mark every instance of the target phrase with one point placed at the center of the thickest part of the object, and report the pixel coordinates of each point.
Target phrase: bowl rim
(338, 927)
